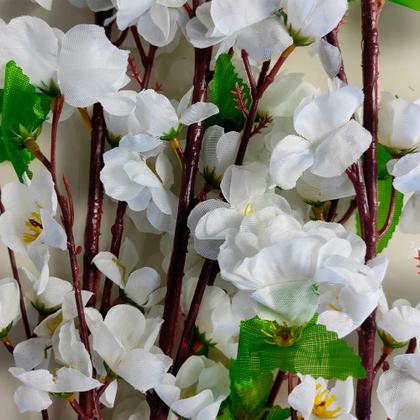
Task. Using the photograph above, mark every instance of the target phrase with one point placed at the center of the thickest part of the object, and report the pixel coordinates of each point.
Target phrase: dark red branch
(380, 362)
(370, 65)
(390, 214)
(57, 107)
(121, 38)
(15, 273)
(171, 313)
(95, 202)
(280, 377)
(332, 38)
(349, 212)
(117, 233)
(208, 273)
(139, 45)
(248, 69)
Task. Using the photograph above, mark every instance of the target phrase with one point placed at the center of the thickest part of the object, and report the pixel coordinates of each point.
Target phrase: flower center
(248, 209)
(323, 400)
(34, 225)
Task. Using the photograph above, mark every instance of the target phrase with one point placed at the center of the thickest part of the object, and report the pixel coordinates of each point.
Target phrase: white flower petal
(90, 66)
(290, 158)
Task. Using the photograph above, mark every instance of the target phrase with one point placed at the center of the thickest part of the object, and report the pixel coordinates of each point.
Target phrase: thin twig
(385, 353)
(248, 69)
(139, 45)
(208, 273)
(280, 377)
(390, 214)
(171, 313)
(349, 212)
(121, 38)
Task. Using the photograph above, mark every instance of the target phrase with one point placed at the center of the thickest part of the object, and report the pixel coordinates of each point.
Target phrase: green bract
(317, 352)
(23, 112)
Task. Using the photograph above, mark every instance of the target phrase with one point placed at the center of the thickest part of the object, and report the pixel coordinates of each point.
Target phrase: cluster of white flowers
(264, 221)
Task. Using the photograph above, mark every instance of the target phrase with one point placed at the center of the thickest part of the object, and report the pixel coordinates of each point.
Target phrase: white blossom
(315, 400)
(328, 140)
(28, 225)
(197, 390)
(398, 388)
(125, 341)
(245, 24)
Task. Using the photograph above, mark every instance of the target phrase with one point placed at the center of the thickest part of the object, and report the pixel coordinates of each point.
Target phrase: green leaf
(23, 112)
(384, 198)
(384, 188)
(412, 4)
(317, 352)
(225, 414)
(384, 156)
(248, 397)
(224, 82)
(278, 413)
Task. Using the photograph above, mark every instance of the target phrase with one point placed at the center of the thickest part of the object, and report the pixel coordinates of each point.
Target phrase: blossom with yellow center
(323, 401)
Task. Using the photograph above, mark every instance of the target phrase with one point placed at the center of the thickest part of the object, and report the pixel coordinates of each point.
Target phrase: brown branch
(121, 38)
(332, 38)
(208, 273)
(251, 79)
(15, 273)
(280, 377)
(349, 212)
(171, 313)
(95, 202)
(390, 214)
(385, 353)
(370, 65)
(117, 233)
(139, 45)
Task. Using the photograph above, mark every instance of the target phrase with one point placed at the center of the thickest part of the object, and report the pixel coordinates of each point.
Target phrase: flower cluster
(248, 181)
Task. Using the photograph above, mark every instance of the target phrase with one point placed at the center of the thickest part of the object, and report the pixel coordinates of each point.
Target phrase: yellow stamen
(248, 210)
(333, 307)
(85, 118)
(122, 268)
(34, 226)
(176, 147)
(323, 401)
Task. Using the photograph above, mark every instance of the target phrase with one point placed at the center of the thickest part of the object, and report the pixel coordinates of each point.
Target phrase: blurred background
(400, 63)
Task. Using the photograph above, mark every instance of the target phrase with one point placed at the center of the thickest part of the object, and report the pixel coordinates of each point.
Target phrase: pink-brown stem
(208, 273)
(171, 313)
(278, 381)
(349, 212)
(390, 214)
(92, 232)
(370, 65)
